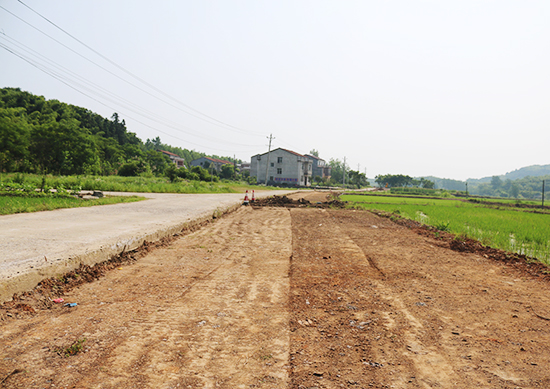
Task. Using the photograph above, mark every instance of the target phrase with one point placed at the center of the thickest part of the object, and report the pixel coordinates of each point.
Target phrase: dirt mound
(284, 201)
(521, 262)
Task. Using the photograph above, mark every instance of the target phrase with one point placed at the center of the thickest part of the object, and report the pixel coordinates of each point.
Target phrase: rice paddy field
(508, 228)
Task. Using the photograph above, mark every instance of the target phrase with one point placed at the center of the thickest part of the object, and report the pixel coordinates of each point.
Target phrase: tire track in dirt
(453, 314)
(375, 305)
(209, 310)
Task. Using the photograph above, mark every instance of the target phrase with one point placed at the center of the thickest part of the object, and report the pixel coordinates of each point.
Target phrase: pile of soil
(525, 264)
(284, 201)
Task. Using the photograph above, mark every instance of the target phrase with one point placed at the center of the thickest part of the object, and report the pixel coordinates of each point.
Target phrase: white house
(281, 167)
(179, 161)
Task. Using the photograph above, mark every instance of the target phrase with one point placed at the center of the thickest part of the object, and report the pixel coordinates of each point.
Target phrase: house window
(279, 159)
(272, 164)
(270, 178)
(279, 170)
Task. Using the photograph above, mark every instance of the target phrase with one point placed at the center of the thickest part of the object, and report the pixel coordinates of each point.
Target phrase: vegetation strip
(11, 204)
(508, 229)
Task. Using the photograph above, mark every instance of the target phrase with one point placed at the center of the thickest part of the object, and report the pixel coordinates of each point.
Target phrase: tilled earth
(275, 297)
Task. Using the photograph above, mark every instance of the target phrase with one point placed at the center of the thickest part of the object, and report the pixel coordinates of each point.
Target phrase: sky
(452, 89)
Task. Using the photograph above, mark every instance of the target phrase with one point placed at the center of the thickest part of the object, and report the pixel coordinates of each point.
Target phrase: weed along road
(34, 246)
(288, 296)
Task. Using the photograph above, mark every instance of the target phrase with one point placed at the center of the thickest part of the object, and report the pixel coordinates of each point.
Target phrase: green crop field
(506, 228)
(10, 204)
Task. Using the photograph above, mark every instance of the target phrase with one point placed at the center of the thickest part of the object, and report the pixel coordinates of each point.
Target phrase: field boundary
(28, 281)
(523, 263)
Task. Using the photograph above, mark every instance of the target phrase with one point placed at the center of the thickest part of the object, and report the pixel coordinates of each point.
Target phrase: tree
(227, 171)
(337, 171)
(14, 139)
(62, 147)
(314, 152)
(393, 180)
(514, 191)
(496, 182)
(357, 178)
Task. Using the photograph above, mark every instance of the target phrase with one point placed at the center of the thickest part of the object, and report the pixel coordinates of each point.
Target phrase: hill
(48, 136)
(525, 183)
(527, 171)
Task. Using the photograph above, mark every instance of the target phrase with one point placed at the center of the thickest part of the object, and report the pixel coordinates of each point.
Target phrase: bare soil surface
(286, 297)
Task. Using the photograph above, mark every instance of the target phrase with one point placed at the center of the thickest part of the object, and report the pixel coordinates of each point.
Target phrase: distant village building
(179, 161)
(320, 167)
(205, 162)
(243, 167)
(285, 167)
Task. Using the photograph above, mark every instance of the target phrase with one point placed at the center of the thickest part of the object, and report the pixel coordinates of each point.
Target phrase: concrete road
(35, 246)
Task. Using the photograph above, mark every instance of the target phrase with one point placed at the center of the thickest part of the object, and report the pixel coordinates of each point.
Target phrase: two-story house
(281, 167)
(320, 167)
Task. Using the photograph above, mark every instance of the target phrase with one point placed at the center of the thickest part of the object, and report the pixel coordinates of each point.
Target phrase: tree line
(402, 181)
(50, 137)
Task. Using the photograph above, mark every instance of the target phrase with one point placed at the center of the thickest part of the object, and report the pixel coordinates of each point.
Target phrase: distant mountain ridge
(532, 170)
(525, 182)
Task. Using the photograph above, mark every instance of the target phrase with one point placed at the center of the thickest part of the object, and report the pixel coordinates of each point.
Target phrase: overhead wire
(137, 109)
(216, 121)
(207, 119)
(60, 79)
(130, 73)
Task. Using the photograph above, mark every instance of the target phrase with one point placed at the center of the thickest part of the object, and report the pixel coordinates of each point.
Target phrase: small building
(243, 167)
(281, 167)
(179, 161)
(320, 167)
(206, 162)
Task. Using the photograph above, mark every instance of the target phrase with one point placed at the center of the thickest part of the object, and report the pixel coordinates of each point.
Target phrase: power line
(137, 109)
(60, 79)
(128, 72)
(206, 118)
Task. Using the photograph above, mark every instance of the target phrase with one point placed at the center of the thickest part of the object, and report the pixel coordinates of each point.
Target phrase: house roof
(169, 153)
(292, 152)
(288, 151)
(314, 157)
(216, 160)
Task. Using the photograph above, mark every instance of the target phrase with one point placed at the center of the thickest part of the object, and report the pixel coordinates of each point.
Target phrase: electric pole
(270, 137)
(542, 193)
(344, 173)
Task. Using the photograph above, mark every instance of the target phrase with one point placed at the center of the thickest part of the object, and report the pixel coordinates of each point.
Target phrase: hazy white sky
(455, 89)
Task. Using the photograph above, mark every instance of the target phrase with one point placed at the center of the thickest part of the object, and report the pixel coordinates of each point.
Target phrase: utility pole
(344, 173)
(270, 137)
(466, 189)
(542, 193)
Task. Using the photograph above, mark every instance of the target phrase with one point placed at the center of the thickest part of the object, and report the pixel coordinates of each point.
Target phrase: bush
(129, 169)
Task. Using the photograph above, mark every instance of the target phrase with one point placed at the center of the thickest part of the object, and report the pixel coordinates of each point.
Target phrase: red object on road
(245, 202)
(59, 300)
(253, 198)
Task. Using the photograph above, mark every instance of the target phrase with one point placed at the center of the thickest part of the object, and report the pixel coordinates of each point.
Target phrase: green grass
(504, 228)
(10, 204)
(139, 184)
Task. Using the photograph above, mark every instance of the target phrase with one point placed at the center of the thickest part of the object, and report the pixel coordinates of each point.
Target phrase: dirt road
(288, 298)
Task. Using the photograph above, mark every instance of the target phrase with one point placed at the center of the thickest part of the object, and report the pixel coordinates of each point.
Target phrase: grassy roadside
(11, 204)
(138, 184)
(511, 229)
